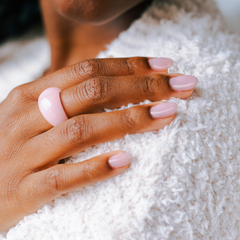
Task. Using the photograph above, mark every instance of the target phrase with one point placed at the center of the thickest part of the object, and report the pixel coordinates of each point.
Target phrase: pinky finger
(42, 187)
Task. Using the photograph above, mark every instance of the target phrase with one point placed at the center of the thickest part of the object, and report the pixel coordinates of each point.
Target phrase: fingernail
(183, 83)
(120, 160)
(160, 64)
(163, 110)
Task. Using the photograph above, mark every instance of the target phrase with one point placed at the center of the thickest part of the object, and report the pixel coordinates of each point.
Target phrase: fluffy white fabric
(184, 180)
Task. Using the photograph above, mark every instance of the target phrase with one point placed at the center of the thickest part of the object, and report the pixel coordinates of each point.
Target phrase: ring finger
(82, 131)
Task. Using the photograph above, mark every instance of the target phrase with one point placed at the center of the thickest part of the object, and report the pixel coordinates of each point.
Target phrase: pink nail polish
(163, 110)
(160, 64)
(120, 160)
(183, 83)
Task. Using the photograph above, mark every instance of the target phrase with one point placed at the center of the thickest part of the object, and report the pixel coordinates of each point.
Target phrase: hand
(31, 148)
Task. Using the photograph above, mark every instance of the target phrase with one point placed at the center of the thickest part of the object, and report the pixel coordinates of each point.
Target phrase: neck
(72, 42)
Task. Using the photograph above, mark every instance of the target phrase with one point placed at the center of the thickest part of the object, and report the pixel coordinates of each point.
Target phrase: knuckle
(53, 180)
(87, 173)
(136, 64)
(96, 89)
(132, 65)
(18, 94)
(149, 85)
(155, 86)
(76, 130)
(130, 119)
(86, 69)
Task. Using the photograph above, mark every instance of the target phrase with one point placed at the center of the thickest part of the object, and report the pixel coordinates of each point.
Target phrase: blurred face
(95, 12)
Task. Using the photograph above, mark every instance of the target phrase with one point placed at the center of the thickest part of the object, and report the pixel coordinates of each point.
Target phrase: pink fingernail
(160, 64)
(183, 83)
(120, 160)
(163, 110)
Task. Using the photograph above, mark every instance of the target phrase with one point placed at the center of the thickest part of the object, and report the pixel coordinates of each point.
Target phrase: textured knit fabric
(184, 180)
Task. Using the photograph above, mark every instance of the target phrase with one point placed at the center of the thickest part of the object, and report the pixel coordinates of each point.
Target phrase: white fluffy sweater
(184, 181)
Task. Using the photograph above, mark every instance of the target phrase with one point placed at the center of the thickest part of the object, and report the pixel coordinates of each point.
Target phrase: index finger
(82, 71)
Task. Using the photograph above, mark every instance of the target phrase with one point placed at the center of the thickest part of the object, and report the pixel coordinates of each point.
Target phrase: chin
(95, 12)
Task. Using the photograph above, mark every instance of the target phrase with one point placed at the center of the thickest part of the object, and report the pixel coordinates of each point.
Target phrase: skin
(30, 174)
(72, 40)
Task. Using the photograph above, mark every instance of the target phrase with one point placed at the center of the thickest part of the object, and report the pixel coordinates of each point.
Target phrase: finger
(77, 73)
(110, 92)
(80, 132)
(98, 93)
(44, 186)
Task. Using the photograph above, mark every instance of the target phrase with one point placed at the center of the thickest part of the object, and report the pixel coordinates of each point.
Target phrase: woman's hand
(31, 148)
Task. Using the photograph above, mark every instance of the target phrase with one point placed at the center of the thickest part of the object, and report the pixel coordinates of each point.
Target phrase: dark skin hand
(31, 148)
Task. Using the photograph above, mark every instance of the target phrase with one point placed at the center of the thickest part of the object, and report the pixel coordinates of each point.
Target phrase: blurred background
(231, 11)
(18, 16)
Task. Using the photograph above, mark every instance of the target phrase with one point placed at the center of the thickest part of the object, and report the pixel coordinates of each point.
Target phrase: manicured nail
(183, 83)
(120, 160)
(163, 110)
(160, 64)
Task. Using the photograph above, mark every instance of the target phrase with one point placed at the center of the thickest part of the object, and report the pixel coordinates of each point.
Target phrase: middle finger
(95, 94)
(98, 93)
